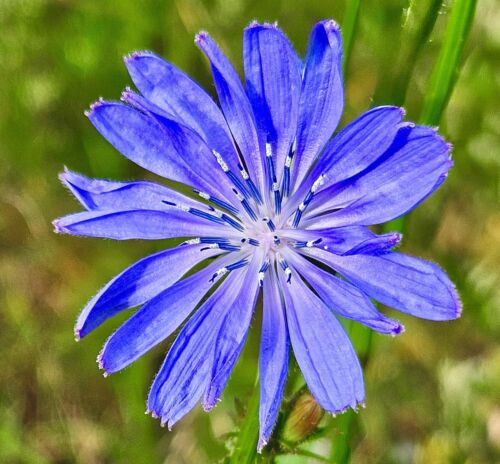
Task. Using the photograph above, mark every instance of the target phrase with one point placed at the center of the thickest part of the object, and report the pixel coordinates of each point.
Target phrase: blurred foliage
(432, 393)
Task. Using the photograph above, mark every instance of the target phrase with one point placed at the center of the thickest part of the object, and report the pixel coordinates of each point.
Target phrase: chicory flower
(278, 204)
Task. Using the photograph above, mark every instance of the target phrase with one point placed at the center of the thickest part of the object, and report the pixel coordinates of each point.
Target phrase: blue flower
(278, 204)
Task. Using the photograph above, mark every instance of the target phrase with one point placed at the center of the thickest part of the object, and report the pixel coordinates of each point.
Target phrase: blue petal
(186, 372)
(273, 82)
(343, 298)
(176, 93)
(403, 282)
(337, 240)
(167, 149)
(395, 185)
(139, 224)
(273, 362)
(236, 107)
(322, 97)
(376, 245)
(358, 144)
(101, 194)
(322, 349)
(158, 318)
(139, 283)
(232, 334)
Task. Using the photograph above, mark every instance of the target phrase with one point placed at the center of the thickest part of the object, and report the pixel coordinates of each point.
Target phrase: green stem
(417, 36)
(445, 72)
(349, 24)
(303, 452)
(245, 451)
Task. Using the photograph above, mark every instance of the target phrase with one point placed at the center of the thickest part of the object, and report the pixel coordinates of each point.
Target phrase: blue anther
(237, 264)
(216, 201)
(269, 223)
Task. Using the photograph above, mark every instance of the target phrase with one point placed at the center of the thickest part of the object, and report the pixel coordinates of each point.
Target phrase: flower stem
(245, 451)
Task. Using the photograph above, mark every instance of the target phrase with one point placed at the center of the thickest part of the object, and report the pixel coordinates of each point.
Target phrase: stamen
(270, 165)
(245, 205)
(276, 240)
(232, 222)
(241, 263)
(211, 246)
(277, 198)
(273, 183)
(230, 267)
(253, 189)
(214, 240)
(216, 201)
(262, 272)
(222, 246)
(309, 244)
(232, 176)
(220, 160)
(222, 271)
(251, 241)
(286, 171)
(219, 242)
(307, 199)
(284, 265)
(219, 218)
(192, 241)
(269, 223)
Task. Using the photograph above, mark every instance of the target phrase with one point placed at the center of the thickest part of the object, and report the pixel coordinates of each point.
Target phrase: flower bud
(303, 419)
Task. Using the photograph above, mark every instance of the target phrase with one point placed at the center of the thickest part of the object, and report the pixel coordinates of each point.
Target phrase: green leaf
(445, 72)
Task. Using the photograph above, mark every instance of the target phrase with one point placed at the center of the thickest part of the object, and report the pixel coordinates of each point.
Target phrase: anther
(286, 269)
(192, 241)
(309, 244)
(232, 176)
(245, 205)
(250, 184)
(286, 171)
(307, 199)
(216, 201)
(269, 223)
(262, 272)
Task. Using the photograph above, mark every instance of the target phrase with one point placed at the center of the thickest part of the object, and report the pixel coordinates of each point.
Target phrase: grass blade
(445, 72)
(349, 24)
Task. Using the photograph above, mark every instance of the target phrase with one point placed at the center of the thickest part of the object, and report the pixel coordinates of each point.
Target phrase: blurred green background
(432, 393)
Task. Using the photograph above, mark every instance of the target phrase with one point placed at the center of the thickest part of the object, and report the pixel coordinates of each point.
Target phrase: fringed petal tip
(95, 106)
(458, 303)
(257, 25)
(398, 329)
(201, 37)
(138, 54)
(261, 444)
(209, 403)
(330, 26)
(100, 363)
(58, 227)
(127, 94)
(355, 407)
